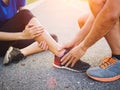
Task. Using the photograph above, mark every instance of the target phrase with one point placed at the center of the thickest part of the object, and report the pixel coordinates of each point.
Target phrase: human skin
(101, 27)
(34, 30)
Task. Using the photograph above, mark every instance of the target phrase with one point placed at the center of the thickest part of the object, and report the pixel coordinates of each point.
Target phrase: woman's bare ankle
(61, 53)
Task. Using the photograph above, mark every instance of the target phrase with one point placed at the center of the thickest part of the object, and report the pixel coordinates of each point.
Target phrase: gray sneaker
(13, 55)
(109, 70)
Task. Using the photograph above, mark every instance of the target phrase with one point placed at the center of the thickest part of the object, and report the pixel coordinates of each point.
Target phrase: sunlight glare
(76, 3)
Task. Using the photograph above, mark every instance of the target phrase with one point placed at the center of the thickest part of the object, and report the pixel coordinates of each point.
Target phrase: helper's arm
(103, 23)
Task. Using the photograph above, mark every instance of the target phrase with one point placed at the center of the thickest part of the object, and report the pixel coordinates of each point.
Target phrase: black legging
(16, 24)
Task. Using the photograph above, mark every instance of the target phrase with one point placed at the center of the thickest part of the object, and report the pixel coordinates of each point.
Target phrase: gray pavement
(36, 71)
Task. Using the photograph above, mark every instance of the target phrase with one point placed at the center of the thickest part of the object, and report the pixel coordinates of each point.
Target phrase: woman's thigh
(16, 24)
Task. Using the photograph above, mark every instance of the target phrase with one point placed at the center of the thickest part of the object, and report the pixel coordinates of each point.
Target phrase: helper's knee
(80, 22)
(96, 6)
(82, 19)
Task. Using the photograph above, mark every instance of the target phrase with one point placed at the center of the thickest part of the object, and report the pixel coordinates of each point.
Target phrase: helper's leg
(109, 69)
(113, 39)
(82, 19)
(113, 36)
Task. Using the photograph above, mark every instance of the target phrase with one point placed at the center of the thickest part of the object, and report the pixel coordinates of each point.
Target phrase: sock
(116, 56)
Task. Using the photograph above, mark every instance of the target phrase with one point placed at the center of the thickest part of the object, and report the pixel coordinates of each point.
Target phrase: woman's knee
(25, 16)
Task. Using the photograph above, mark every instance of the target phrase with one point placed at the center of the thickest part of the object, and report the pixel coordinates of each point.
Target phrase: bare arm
(4, 36)
(84, 30)
(104, 21)
(80, 36)
(11, 36)
(28, 33)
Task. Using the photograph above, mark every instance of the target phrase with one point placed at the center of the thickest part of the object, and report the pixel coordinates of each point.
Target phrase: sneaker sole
(104, 79)
(63, 67)
(6, 60)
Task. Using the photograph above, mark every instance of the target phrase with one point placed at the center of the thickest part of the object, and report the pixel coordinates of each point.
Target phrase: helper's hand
(73, 56)
(43, 45)
(32, 31)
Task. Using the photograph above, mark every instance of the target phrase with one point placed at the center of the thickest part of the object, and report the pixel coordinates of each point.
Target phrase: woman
(19, 28)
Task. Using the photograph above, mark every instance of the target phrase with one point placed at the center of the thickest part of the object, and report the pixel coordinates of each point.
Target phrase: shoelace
(107, 62)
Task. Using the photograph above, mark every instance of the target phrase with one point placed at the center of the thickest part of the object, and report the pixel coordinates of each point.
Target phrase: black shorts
(16, 24)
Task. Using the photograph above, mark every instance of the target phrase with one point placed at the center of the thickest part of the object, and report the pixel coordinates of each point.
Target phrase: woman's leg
(15, 24)
(18, 23)
(28, 47)
(52, 44)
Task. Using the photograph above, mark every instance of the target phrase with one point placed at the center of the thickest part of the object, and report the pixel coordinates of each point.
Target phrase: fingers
(37, 28)
(65, 59)
(36, 31)
(30, 25)
(32, 31)
(43, 45)
(74, 62)
(72, 56)
(68, 60)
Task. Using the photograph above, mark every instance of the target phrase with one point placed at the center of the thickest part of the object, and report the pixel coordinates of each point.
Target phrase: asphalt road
(36, 71)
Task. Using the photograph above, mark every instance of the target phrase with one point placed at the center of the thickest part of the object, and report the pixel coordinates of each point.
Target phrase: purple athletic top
(8, 11)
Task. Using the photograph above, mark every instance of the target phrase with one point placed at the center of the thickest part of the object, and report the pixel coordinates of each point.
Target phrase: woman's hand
(32, 31)
(73, 56)
(43, 45)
